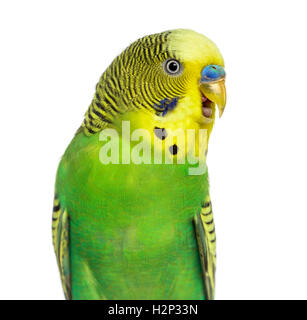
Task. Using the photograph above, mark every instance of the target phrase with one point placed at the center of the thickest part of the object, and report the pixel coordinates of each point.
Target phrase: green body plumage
(133, 237)
(129, 231)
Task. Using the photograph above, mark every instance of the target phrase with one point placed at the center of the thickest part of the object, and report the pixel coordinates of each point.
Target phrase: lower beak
(215, 91)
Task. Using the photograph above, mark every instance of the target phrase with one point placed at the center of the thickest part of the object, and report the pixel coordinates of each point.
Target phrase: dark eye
(172, 67)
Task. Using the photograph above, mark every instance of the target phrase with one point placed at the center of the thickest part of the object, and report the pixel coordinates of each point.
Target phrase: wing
(60, 237)
(205, 233)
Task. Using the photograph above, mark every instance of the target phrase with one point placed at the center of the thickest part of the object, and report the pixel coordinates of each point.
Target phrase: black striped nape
(133, 81)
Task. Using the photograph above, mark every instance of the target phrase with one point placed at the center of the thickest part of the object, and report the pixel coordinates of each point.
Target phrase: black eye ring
(172, 67)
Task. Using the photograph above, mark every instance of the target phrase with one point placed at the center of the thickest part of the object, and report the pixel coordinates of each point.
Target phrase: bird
(132, 215)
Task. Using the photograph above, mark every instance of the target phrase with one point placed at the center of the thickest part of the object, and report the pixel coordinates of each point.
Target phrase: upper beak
(212, 86)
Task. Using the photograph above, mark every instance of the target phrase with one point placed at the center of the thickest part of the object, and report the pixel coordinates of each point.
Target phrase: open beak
(212, 86)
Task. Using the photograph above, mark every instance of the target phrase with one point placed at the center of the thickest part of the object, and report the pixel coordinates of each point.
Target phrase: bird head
(175, 77)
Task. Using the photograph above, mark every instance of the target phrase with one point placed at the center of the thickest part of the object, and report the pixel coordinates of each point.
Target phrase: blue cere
(212, 73)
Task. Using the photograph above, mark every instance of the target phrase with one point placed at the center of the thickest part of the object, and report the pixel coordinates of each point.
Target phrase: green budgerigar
(132, 215)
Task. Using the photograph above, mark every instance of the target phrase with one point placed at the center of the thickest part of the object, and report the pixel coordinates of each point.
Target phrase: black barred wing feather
(205, 233)
(60, 237)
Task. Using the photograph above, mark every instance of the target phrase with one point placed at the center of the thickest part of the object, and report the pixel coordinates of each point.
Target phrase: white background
(53, 53)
